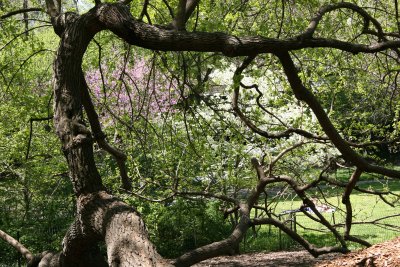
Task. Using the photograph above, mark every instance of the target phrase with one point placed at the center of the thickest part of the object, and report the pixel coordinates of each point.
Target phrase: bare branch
(346, 201)
(20, 11)
(357, 188)
(237, 77)
(286, 133)
(17, 245)
(300, 191)
(227, 245)
(374, 143)
(150, 199)
(170, 10)
(303, 94)
(208, 195)
(351, 184)
(283, 153)
(343, 5)
(100, 137)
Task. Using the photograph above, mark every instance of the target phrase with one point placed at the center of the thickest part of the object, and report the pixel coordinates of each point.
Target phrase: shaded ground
(274, 259)
(384, 254)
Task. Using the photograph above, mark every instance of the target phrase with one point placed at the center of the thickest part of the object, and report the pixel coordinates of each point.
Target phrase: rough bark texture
(103, 218)
(100, 216)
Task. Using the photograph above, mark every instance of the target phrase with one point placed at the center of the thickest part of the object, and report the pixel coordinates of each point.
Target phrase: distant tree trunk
(25, 5)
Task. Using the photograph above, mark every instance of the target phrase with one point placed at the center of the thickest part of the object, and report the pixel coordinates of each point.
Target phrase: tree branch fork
(71, 94)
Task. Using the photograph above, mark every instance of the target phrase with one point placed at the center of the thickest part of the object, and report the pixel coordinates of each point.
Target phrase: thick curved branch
(179, 20)
(343, 5)
(303, 94)
(117, 18)
(227, 245)
(20, 11)
(17, 245)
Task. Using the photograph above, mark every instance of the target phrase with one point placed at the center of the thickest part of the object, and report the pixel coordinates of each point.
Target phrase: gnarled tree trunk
(100, 216)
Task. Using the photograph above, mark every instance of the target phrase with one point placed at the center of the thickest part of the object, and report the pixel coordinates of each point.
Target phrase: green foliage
(200, 144)
(183, 225)
(35, 193)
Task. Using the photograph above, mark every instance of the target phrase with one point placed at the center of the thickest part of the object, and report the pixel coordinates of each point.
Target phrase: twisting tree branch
(227, 245)
(170, 10)
(20, 11)
(17, 245)
(100, 138)
(315, 251)
(237, 77)
(343, 5)
(303, 94)
(283, 153)
(349, 210)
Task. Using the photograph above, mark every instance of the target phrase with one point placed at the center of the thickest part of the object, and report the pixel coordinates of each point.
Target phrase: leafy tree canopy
(198, 116)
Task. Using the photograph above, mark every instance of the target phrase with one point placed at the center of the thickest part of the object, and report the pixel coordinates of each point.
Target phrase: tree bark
(100, 216)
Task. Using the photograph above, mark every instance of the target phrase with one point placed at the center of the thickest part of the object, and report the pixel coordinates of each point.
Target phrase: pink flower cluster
(133, 90)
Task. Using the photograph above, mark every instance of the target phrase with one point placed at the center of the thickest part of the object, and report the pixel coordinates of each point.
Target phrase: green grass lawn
(366, 208)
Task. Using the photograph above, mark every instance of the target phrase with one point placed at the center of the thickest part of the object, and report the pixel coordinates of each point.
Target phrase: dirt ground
(385, 254)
